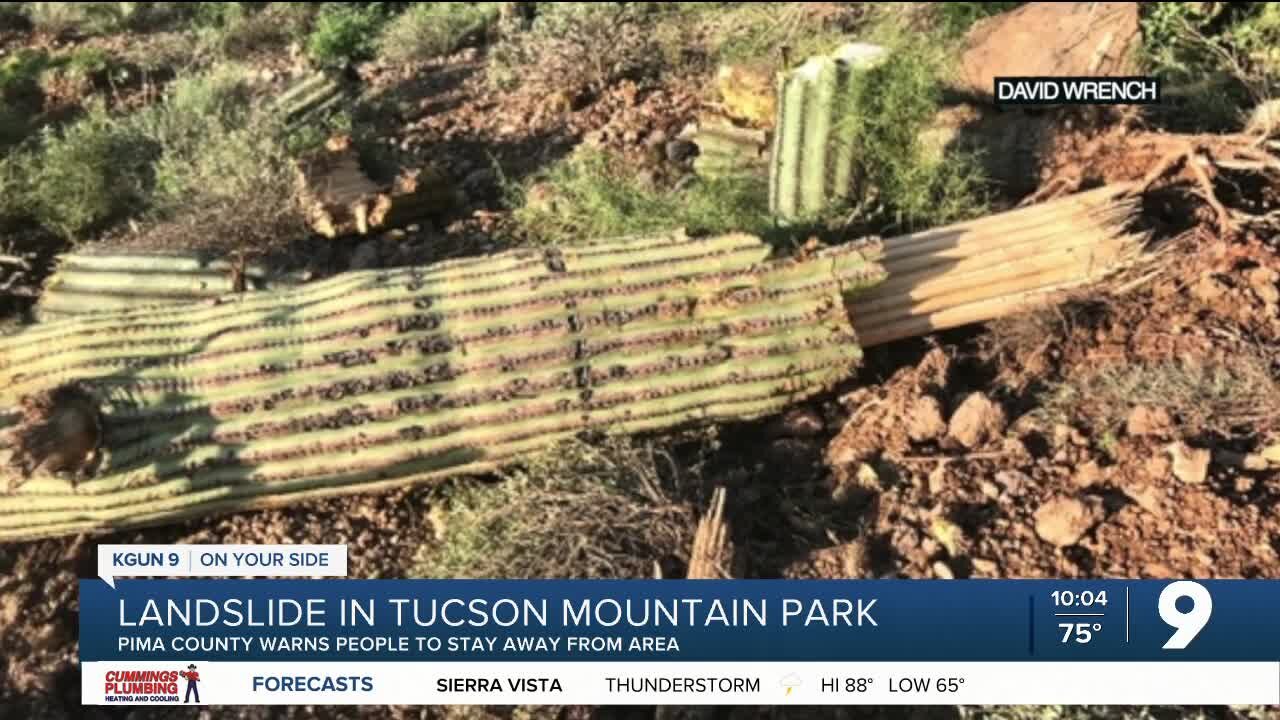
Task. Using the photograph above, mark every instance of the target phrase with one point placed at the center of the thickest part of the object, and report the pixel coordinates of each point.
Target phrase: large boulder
(1051, 38)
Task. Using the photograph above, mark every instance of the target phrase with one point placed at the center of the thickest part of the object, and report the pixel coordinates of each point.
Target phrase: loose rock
(679, 151)
(924, 420)
(1088, 475)
(1271, 454)
(1061, 38)
(1146, 421)
(1064, 521)
(985, 568)
(938, 479)
(977, 420)
(948, 534)
(1147, 497)
(1158, 467)
(803, 423)
(1014, 482)
(1190, 465)
(1266, 285)
(1265, 119)
(1209, 290)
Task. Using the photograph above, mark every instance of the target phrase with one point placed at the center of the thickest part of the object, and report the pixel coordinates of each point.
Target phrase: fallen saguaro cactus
(374, 380)
(310, 97)
(728, 151)
(938, 279)
(93, 282)
(379, 379)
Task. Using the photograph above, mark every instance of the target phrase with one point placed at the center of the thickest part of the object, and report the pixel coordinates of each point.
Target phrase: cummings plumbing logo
(152, 686)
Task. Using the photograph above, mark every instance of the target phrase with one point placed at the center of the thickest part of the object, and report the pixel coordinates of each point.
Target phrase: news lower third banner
(663, 642)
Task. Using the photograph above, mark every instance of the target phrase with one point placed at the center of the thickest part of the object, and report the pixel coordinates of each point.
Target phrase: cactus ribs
(376, 379)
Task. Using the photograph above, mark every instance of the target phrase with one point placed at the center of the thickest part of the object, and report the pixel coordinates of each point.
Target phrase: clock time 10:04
(1082, 599)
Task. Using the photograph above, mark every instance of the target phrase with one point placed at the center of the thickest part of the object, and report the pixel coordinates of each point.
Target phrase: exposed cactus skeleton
(379, 379)
(341, 199)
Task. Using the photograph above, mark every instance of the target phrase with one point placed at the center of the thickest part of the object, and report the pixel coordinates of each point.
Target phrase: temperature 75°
(1081, 632)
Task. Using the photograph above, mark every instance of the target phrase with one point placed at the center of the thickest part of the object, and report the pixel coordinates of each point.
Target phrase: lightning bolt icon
(790, 683)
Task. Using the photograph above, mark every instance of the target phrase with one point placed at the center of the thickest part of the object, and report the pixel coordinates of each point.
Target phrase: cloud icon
(791, 682)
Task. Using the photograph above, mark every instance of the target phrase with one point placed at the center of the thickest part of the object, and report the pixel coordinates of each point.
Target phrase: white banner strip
(683, 683)
(221, 561)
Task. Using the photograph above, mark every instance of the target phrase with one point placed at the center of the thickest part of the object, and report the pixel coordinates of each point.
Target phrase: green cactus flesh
(726, 151)
(310, 97)
(378, 379)
(97, 282)
(812, 160)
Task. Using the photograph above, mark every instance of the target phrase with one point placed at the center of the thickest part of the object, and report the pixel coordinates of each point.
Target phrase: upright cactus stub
(377, 379)
(812, 161)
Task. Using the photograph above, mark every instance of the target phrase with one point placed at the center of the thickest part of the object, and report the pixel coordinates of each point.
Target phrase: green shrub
(12, 14)
(238, 28)
(15, 125)
(21, 95)
(345, 32)
(88, 61)
(12, 188)
(88, 18)
(955, 18)
(592, 195)
(431, 29)
(88, 174)
(206, 150)
(223, 158)
(29, 75)
(752, 32)
(905, 186)
(194, 118)
(20, 75)
(80, 72)
(584, 510)
(1215, 58)
(57, 17)
(577, 48)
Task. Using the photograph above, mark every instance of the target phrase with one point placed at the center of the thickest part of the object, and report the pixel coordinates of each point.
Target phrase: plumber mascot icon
(193, 679)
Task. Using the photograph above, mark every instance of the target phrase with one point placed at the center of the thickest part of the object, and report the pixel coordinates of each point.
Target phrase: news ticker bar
(647, 683)
(686, 621)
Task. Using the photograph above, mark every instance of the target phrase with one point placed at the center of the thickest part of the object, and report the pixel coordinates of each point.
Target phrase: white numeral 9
(1188, 624)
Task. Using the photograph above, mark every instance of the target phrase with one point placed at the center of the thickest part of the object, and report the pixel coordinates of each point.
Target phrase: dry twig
(712, 553)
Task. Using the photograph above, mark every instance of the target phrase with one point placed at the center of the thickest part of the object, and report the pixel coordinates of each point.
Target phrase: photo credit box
(908, 642)
(1048, 90)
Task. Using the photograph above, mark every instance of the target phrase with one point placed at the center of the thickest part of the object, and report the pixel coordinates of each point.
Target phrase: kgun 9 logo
(1187, 624)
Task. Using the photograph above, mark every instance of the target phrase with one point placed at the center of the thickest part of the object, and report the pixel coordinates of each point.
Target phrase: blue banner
(737, 620)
